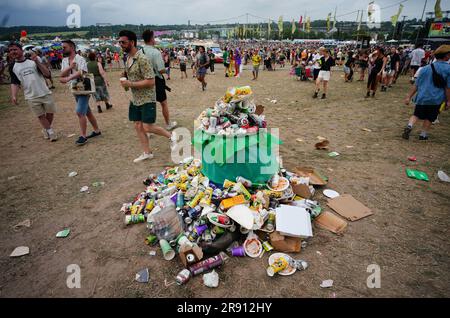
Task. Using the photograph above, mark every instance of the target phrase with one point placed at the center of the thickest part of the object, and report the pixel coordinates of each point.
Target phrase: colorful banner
(394, 18)
(294, 27)
(437, 9)
(439, 29)
(280, 24)
(308, 24)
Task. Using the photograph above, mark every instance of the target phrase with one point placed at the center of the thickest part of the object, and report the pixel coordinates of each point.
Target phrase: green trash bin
(253, 157)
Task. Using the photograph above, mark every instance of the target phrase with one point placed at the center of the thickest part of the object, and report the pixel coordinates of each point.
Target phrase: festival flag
(269, 28)
(280, 25)
(360, 20)
(308, 24)
(245, 31)
(437, 10)
(328, 21)
(300, 22)
(394, 18)
(294, 27)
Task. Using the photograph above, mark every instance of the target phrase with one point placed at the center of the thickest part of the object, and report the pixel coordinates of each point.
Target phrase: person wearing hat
(432, 88)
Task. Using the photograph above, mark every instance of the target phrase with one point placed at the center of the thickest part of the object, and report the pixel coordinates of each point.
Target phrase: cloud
(53, 12)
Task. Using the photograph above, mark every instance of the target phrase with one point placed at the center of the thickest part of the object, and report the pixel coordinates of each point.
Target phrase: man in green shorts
(141, 80)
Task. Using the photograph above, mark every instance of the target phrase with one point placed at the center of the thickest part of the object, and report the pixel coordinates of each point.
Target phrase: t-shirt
(326, 63)
(81, 65)
(182, 59)
(427, 92)
(416, 56)
(256, 60)
(394, 59)
(316, 60)
(155, 57)
(28, 75)
(350, 61)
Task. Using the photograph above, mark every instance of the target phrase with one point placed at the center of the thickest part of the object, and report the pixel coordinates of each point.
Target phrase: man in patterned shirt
(141, 80)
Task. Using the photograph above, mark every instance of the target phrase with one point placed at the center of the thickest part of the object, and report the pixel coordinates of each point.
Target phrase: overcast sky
(53, 12)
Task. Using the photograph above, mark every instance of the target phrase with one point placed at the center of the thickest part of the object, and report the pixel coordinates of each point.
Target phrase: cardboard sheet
(348, 207)
(331, 222)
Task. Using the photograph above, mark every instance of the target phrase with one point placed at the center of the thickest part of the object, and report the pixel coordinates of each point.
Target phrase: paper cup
(167, 250)
(238, 251)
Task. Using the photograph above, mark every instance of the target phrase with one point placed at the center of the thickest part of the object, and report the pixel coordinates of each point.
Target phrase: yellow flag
(328, 22)
(437, 10)
(269, 28)
(308, 24)
(280, 25)
(394, 18)
(294, 27)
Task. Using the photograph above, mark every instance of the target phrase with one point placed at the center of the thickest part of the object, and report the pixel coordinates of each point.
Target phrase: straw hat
(443, 49)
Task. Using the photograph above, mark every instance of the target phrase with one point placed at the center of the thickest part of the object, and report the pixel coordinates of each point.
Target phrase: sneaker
(436, 121)
(323, 96)
(423, 137)
(81, 141)
(108, 106)
(172, 125)
(406, 133)
(94, 134)
(367, 95)
(315, 95)
(45, 133)
(373, 94)
(99, 108)
(52, 136)
(143, 157)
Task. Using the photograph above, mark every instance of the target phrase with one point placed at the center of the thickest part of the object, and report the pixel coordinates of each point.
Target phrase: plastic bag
(165, 223)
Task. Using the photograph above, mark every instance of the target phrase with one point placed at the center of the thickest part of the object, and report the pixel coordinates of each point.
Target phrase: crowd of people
(146, 70)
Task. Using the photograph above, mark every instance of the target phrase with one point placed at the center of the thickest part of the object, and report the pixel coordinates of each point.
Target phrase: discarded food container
(253, 247)
(280, 264)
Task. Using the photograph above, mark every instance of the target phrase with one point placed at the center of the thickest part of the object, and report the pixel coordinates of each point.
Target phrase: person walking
(30, 75)
(202, 64)
(140, 78)
(433, 88)
(73, 67)
(256, 62)
(379, 64)
(326, 62)
(101, 91)
(154, 55)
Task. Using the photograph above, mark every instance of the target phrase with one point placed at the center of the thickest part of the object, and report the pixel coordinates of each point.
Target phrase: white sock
(50, 131)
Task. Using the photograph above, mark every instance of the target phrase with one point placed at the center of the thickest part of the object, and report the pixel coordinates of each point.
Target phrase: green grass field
(54, 34)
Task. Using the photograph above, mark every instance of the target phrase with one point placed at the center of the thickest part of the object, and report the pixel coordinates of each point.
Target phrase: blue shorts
(82, 104)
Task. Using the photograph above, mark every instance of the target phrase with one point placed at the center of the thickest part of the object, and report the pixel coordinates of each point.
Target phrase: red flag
(300, 21)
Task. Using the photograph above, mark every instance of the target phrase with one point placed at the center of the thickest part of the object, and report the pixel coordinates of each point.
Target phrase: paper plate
(257, 251)
(288, 270)
(210, 215)
(330, 193)
(282, 185)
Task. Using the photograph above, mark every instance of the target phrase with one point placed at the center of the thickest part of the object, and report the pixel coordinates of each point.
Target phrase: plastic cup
(238, 251)
(167, 250)
(122, 79)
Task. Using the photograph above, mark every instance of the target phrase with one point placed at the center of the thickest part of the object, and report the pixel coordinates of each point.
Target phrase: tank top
(93, 68)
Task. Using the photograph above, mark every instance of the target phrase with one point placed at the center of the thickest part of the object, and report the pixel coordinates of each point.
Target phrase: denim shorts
(82, 104)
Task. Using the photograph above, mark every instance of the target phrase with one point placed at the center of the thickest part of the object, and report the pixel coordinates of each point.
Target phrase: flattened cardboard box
(314, 177)
(285, 244)
(348, 207)
(331, 222)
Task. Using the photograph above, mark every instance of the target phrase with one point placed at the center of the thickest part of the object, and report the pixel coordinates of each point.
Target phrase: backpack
(438, 80)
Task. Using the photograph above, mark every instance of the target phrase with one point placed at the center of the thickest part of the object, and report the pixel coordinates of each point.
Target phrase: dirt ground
(407, 236)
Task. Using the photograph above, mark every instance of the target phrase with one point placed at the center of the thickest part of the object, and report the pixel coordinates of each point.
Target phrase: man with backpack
(432, 88)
